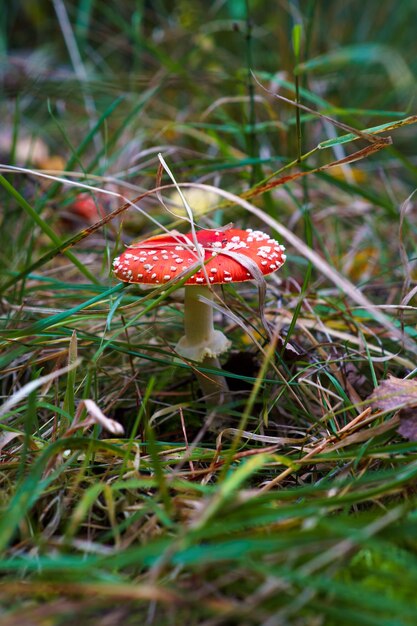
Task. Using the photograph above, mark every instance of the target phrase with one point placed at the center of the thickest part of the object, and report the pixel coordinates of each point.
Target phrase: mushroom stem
(198, 315)
(202, 343)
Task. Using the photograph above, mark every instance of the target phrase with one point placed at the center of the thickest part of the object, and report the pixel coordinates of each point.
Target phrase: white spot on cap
(167, 277)
(178, 260)
(153, 275)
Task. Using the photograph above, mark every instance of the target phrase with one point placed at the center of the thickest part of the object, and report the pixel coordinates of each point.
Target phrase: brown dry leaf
(408, 424)
(394, 393)
(377, 145)
(401, 395)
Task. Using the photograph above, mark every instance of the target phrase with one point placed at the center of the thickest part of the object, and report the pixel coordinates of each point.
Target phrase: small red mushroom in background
(222, 257)
(83, 211)
(85, 207)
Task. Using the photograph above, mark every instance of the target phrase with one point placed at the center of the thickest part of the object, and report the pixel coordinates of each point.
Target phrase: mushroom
(222, 257)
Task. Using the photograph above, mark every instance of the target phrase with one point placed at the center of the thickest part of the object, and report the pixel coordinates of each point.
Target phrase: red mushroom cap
(160, 259)
(85, 207)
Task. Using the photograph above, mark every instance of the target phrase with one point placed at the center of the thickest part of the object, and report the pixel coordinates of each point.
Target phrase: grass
(301, 510)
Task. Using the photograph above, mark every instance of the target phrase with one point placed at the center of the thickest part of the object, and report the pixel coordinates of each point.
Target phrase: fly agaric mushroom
(223, 256)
